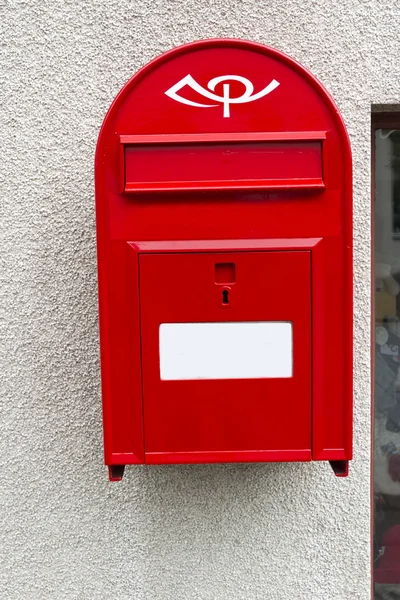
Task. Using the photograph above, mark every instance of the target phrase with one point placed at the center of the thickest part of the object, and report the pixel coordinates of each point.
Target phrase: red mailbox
(224, 229)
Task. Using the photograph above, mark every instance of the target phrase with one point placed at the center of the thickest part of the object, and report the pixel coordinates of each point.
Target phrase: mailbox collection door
(226, 354)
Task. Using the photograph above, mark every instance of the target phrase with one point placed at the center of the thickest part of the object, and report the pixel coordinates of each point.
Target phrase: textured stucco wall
(182, 533)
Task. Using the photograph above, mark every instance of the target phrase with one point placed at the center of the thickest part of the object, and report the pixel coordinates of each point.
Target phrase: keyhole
(225, 297)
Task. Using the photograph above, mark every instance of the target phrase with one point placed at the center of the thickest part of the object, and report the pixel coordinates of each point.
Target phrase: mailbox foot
(116, 472)
(340, 467)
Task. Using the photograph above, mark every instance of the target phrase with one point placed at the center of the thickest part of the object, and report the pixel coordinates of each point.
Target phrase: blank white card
(240, 350)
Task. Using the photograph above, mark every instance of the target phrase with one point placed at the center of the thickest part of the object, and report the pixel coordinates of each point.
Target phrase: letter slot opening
(161, 165)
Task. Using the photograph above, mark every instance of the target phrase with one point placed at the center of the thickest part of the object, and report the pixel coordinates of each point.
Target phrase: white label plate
(240, 350)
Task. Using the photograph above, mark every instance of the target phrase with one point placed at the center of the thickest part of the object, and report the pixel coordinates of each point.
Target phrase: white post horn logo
(226, 99)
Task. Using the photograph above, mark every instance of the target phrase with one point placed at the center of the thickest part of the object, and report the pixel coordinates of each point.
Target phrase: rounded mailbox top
(222, 86)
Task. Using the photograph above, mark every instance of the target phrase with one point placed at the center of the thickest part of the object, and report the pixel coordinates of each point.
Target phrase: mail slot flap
(292, 160)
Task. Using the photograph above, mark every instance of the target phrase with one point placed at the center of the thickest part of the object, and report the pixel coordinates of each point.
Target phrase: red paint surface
(309, 214)
(219, 165)
(226, 415)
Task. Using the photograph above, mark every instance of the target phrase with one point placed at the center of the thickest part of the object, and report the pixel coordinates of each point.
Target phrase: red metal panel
(274, 215)
(205, 138)
(159, 458)
(120, 356)
(225, 245)
(223, 165)
(226, 415)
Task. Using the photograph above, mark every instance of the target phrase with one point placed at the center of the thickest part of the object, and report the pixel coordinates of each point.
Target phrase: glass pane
(387, 366)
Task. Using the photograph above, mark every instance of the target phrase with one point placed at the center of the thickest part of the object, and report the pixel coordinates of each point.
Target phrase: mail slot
(224, 236)
(204, 162)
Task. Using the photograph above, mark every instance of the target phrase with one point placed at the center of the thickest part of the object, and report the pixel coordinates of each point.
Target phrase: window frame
(379, 120)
